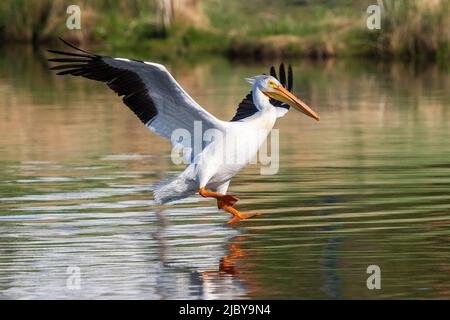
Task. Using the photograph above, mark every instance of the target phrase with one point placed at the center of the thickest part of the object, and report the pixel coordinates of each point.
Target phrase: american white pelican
(151, 92)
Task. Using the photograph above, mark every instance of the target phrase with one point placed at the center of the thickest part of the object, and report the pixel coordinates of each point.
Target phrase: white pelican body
(151, 92)
(222, 159)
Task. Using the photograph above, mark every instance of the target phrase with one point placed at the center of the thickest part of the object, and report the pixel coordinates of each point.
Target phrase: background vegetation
(410, 29)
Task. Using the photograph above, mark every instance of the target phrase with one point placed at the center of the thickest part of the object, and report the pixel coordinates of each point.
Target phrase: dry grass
(40, 21)
(415, 29)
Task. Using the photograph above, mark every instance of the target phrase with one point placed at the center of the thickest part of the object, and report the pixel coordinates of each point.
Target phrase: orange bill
(283, 95)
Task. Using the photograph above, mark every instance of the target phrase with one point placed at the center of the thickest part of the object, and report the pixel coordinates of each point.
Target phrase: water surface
(367, 185)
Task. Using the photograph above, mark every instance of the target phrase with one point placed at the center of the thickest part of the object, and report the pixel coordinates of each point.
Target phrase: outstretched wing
(247, 108)
(148, 89)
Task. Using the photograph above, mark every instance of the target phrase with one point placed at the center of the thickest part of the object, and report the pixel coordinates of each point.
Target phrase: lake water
(367, 185)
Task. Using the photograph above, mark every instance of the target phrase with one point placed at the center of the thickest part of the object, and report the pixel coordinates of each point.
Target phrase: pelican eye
(273, 85)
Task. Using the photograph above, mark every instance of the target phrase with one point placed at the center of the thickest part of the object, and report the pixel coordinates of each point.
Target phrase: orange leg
(222, 199)
(226, 202)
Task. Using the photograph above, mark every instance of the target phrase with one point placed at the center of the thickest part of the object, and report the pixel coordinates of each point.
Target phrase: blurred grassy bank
(257, 29)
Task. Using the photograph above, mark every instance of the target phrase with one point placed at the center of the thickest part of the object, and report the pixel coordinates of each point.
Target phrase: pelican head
(273, 89)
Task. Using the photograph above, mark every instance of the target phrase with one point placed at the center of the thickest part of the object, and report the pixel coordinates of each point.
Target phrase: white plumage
(222, 159)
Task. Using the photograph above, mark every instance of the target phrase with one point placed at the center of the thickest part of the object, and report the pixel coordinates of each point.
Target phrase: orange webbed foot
(226, 202)
(243, 216)
(237, 215)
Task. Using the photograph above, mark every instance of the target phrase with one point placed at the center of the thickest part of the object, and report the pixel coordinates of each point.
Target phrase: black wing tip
(70, 62)
(75, 47)
(282, 74)
(273, 73)
(287, 82)
(290, 80)
(85, 54)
